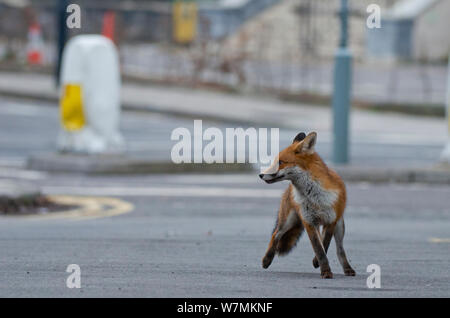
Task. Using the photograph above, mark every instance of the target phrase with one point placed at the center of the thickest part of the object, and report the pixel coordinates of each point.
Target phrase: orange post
(35, 45)
(109, 25)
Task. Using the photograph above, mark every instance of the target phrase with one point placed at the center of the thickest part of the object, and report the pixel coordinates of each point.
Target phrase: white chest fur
(316, 202)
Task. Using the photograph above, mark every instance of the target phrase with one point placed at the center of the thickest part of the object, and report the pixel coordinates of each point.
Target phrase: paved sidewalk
(235, 108)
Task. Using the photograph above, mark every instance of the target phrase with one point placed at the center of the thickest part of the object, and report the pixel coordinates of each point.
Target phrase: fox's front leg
(317, 246)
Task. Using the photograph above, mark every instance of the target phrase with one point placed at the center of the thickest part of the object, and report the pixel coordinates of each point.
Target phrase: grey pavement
(205, 235)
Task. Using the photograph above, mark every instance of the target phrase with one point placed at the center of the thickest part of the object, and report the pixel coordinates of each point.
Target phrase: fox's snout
(267, 175)
(271, 177)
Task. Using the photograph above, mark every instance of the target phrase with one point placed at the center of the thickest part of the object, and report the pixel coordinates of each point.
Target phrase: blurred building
(281, 46)
(413, 29)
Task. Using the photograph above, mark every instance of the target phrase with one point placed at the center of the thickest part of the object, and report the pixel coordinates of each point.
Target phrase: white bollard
(445, 156)
(90, 96)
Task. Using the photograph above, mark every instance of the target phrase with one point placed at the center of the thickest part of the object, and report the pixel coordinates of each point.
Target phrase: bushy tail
(289, 239)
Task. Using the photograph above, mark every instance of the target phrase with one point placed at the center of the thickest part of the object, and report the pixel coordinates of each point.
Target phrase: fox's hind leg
(339, 238)
(316, 242)
(327, 235)
(284, 238)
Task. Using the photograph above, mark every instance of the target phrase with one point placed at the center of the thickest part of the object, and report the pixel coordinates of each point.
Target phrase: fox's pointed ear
(299, 137)
(308, 144)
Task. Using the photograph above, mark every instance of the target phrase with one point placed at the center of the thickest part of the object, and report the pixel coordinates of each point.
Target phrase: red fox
(316, 197)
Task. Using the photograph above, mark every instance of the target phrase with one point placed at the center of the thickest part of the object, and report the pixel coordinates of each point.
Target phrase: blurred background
(284, 47)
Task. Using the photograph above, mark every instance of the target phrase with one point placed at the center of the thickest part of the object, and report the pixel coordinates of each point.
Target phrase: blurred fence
(286, 49)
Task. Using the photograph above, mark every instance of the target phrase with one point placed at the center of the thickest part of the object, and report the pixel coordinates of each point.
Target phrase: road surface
(205, 235)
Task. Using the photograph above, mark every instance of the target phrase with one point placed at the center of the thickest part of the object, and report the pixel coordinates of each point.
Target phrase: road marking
(87, 208)
(25, 109)
(214, 179)
(193, 190)
(439, 240)
(22, 174)
(188, 191)
(16, 162)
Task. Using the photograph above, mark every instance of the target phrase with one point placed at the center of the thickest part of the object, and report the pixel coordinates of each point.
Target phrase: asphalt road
(205, 235)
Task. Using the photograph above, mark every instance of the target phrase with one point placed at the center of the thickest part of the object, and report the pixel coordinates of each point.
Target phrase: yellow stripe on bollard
(71, 107)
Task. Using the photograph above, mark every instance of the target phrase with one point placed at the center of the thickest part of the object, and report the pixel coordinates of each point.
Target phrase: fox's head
(290, 160)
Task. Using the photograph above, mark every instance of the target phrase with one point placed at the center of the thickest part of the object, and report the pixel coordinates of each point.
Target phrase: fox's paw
(349, 272)
(267, 260)
(315, 262)
(326, 274)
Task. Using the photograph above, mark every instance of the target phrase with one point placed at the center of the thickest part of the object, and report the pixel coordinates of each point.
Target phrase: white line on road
(187, 188)
(187, 191)
(22, 109)
(16, 162)
(22, 174)
(250, 178)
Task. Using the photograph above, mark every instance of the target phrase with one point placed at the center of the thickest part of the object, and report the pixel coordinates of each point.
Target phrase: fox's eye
(280, 162)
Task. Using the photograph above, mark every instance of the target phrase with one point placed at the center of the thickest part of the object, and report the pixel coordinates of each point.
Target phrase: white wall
(431, 39)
